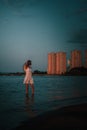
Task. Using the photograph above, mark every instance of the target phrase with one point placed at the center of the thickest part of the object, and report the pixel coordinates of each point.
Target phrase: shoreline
(77, 71)
(73, 117)
(22, 74)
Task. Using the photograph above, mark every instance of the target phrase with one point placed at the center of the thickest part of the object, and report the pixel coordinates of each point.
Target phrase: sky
(30, 29)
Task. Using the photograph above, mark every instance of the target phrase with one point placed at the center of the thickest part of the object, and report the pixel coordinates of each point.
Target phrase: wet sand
(71, 117)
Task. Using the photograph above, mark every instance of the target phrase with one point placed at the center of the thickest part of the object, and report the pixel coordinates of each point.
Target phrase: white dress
(28, 76)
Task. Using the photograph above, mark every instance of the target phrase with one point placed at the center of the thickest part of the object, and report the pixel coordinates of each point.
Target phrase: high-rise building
(51, 63)
(85, 59)
(76, 59)
(60, 62)
(56, 63)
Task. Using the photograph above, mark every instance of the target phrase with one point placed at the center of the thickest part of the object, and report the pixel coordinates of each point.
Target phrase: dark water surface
(51, 92)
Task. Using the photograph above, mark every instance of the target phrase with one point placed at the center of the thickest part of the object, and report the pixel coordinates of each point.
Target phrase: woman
(28, 80)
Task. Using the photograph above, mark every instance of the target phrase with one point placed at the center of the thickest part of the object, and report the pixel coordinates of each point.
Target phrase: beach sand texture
(70, 117)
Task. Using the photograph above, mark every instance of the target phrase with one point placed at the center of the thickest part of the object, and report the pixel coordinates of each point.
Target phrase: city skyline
(56, 63)
(30, 29)
(76, 60)
(59, 64)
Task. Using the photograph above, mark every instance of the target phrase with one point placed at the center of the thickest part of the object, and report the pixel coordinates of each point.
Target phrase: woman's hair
(25, 66)
(28, 62)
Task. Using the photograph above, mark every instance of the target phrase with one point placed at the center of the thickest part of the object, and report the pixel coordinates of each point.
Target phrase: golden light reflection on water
(59, 95)
(76, 93)
(29, 101)
(62, 94)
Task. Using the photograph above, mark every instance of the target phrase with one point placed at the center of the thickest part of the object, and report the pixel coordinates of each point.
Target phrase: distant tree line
(39, 72)
(21, 73)
(74, 71)
(77, 71)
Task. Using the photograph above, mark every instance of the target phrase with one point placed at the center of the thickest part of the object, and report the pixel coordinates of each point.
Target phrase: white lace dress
(28, 76)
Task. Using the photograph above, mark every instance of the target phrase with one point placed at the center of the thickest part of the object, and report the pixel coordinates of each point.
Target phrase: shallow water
(51, 92)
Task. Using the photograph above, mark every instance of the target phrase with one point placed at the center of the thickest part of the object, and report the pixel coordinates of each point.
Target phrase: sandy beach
(70, 117)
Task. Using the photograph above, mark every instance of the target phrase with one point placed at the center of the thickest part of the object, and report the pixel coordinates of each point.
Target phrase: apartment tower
(51, 63)
(85, 59)
(60, 62)
(56, 63)
(76, 59)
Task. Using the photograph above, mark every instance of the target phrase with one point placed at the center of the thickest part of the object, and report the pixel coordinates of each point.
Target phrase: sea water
(51, 92)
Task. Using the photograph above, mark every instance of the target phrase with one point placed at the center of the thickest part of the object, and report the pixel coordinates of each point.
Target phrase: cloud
(79, 36)
(77, 12)
(80, 9)
(20, 3)
(20, 7)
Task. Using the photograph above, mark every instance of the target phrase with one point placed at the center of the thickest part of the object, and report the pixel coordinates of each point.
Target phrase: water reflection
(66, 93)
(58, 95)
(76, 93)
(29, 101)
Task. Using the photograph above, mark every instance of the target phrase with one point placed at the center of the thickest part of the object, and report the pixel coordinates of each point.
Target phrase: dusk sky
(30, 29)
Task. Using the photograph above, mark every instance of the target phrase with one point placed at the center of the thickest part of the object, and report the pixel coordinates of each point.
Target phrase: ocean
(51, 93)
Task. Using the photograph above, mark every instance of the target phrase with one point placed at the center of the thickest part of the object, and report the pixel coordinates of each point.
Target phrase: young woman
(28, 80)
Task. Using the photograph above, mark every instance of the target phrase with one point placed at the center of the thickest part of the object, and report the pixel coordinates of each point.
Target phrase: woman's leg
(32, 87)
(27, 86)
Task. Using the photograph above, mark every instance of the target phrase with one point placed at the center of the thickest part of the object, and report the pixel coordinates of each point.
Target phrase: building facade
(56, 63)
(51, 63)
(85, 59)
(60, 62)
(76, 59)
